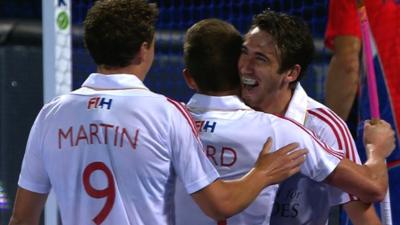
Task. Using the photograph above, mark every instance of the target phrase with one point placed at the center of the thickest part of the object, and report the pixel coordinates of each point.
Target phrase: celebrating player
(276, 53)
(112, 150)
(230, 130)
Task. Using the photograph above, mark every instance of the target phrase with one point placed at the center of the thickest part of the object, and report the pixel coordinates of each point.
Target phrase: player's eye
(244, 50)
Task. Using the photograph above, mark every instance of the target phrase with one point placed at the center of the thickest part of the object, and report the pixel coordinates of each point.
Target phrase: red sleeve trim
(332, 120)
(332, 152)
(350, 149)
(186, 114)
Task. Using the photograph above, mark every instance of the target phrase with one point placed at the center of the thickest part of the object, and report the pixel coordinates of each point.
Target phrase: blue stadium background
(176, 16)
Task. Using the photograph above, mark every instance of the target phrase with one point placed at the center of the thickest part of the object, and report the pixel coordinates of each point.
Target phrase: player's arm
(343, 71)
(361, 213)
(222, 199)
(362, 181)
(369, 182)
(27, 207)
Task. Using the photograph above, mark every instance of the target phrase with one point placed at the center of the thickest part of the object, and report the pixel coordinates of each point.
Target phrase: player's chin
(247, 97)
(249, 91)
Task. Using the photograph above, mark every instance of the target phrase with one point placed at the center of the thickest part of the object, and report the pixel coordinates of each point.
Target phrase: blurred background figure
(343, 37)
(346, 82)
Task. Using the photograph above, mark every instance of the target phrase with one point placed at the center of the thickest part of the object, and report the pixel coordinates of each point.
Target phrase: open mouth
(248, 82)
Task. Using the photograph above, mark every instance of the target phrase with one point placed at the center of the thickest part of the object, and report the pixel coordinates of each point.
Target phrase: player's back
(109, 141)
(232, 133)
(111, 155)
(103, 153)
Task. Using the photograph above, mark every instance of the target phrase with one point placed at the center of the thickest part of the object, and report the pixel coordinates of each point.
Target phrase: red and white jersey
(233, 135)
(112, 150)
(313, 200)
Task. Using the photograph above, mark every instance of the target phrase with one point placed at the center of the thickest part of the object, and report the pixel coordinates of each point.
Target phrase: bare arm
(362, 181)
(362, 213)
(343, 71)
(27, 208)
(222, 199)
(369, 182)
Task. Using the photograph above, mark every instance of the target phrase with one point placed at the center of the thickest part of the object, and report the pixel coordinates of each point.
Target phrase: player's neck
(136, 70)
(221, 93)
(277, 104)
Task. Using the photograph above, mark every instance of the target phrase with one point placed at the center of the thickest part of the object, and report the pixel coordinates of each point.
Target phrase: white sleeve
(334, 132)
(33, 176)
(320, 160)
(190, 163)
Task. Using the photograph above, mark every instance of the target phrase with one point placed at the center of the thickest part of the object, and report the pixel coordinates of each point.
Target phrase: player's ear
(189, 79)
(141, 55)
(293, 73)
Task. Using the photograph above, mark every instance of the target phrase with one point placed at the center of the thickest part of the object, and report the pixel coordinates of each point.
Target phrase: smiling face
(259, 69)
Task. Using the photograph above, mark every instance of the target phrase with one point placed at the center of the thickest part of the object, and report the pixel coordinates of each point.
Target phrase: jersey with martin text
(301, 200)
(111, 151)
(233, 135)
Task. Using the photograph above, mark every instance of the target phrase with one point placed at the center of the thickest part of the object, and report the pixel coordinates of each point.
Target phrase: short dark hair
(114, 30)
(211, 52)
(292, 36)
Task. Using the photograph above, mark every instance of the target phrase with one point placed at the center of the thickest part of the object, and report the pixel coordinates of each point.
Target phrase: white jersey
(111, 151)
(314, 200)
(232, 135)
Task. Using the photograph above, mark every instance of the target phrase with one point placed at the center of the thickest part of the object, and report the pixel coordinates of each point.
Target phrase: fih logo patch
(99, 102)
(206, 126)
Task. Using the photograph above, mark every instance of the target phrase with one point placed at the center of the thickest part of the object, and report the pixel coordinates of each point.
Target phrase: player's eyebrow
(262, 55)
